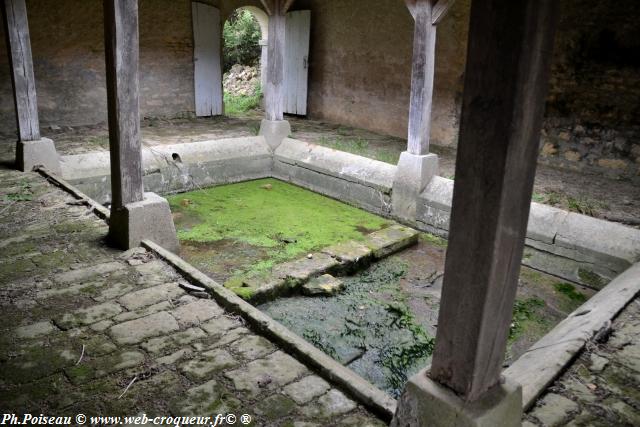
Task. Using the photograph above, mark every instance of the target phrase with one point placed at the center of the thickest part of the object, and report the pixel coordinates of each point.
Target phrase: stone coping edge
(536, 369)
(357, 387)
(100, 210)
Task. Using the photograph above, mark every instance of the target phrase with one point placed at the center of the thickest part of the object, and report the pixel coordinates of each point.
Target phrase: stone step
(342, 258)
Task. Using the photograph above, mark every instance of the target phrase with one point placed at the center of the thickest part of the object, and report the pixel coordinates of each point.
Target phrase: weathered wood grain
(440, 10)
(122, 58)
(274, 91)
(24, 86)
(287, 5)
(422, 76)
(298, 31)
(509, 52)
(207, 54)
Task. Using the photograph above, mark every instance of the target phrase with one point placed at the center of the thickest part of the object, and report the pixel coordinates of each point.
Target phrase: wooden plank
(24, 86)
(506, 78)
(207, 54)
(268, 6)
(422, 77)
(546, 359)
(122, 58)
(440, 10)
(287, 5)
(274, 90)
(298, 34)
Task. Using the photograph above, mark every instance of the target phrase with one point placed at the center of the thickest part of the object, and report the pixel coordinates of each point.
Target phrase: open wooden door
(207, 56)
(296, 66)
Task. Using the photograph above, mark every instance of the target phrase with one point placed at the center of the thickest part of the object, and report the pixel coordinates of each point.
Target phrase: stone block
(269, 373)
(308, 388)
(152, 295)
(275, 131)
(196, 312)
(135, 331)
(427, 403)
(42, 152)
(325, 285)
(89, 315)
(390, 240)
(413, 174)
(161, 344)
(147, 219)
(207, 364)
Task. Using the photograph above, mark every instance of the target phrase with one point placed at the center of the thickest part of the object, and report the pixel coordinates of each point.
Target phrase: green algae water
(368, 327)
(246, 228)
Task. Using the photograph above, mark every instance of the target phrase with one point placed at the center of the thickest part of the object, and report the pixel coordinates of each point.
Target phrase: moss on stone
(283, 220)
(591, 279)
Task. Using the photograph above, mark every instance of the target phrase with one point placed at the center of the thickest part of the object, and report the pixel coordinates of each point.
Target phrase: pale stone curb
(357, 387)
(546, 359)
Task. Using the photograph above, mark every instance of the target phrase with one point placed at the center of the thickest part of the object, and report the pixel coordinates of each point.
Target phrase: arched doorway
(244, 55)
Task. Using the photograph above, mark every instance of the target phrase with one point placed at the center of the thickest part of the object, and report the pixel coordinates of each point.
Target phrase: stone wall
(593, 108)
(67, 39)
(360, 65)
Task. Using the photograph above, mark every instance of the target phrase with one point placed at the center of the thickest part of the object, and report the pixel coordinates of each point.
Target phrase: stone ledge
(547, 358)
(347, 166)
(357, 387)
(346, 257)
(575, 247)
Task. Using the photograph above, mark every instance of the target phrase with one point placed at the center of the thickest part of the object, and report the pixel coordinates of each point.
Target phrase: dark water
(368, 327)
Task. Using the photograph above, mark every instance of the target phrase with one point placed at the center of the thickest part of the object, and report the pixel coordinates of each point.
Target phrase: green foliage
(570, 291)
(241, 36)
(524, 311)
(239, 105)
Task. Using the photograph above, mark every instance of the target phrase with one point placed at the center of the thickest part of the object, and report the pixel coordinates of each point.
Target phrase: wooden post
(508, 58)
(24, 86)
(424, 57)
(121, 47)
(274, 80)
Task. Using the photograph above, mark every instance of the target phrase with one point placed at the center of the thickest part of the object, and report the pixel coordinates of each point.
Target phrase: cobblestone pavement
(602, 387)
(88, 329)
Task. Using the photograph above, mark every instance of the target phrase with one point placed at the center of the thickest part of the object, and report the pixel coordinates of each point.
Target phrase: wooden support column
(24, 86)
(422, 73)
(510, 44)
(121, 47)
(274, 90)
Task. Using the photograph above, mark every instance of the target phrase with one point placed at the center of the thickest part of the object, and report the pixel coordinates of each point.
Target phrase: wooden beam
(287, 5)
(506, 76)
(268, 6)
(440, 10)
(122, 57)
(274, 90)
(422, 77)
(24, 86)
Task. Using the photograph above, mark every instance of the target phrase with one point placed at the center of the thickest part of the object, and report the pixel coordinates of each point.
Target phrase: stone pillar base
(424, 402)
(148, 219)
(41, 152)
(412, 176)
(275, 131)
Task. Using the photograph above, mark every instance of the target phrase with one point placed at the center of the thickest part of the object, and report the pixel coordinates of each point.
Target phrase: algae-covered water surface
(383, 324)
(368, 326)
(246, 228)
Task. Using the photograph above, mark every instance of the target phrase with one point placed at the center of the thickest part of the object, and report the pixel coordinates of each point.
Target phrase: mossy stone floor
(383, 324)
(244, 229)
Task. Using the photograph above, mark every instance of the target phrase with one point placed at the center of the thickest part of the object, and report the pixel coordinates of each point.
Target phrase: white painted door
(296, 69)
(207, 59)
